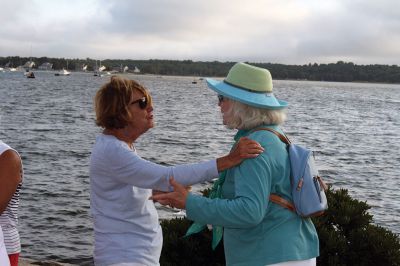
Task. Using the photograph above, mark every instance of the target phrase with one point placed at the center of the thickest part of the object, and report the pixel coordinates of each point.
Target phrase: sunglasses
(220, 98)
(142, 102)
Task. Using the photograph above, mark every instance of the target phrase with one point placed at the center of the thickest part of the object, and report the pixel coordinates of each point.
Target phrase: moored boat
(63, 72)
(29, 74)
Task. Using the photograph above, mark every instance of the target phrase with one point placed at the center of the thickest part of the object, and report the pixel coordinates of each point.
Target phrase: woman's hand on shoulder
(244, 149)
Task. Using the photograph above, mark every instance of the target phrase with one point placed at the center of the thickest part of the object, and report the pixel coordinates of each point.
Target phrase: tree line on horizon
(339, 71)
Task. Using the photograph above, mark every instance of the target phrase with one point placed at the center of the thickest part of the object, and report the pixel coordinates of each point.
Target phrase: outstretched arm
(251, 185)
(130, 168)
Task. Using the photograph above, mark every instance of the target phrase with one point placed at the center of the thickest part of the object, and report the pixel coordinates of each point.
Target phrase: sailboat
(28, 67)
(10, 67)
(63, 72)
(98, 70)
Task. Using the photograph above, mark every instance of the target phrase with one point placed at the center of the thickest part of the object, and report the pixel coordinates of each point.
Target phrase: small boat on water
(63, 72)
(97, 74)
(136, 70)
(28, 67)
(98, 70)
(29, 74)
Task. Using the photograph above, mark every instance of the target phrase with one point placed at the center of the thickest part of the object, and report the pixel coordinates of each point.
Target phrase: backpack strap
(275, 198)
(282, 137)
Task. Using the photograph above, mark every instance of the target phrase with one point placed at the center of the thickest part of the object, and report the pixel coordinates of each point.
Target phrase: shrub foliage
(346, 232)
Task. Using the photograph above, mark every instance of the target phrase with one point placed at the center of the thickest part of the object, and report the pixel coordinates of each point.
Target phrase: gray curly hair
(246, 117)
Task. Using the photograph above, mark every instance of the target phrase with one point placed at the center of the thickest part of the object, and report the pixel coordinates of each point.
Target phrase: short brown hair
(112, 101)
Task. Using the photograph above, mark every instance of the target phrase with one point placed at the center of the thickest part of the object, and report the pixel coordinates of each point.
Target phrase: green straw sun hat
(248, 84)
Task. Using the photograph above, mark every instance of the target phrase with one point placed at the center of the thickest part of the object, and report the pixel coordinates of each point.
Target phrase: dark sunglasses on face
(142, 102)
(220, 98)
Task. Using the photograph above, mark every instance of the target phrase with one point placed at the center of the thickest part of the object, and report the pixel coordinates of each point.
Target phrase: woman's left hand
(244, 149)
(176, 199)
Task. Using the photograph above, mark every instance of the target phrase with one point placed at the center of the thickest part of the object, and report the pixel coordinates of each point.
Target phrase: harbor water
(354, 129)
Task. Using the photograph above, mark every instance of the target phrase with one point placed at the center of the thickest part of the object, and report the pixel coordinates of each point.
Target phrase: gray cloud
(292, 32)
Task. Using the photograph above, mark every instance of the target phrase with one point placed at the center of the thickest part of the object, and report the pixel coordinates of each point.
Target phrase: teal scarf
(217, 231)
(216, 192)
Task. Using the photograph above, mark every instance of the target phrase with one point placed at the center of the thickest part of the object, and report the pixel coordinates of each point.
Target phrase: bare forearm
(225, 162)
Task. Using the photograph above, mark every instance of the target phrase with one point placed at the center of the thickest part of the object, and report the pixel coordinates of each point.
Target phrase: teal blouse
(256, 231)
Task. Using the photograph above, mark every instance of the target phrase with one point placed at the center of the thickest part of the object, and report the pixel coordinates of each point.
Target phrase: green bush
(347, 237)
(194, 250)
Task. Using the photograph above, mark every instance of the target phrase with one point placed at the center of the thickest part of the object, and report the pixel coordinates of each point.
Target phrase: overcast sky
(278, 31)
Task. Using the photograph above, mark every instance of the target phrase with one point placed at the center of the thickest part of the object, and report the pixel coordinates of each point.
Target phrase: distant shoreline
(336, 72)
(200, 78)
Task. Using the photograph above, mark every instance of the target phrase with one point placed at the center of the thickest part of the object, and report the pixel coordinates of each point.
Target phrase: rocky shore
(29, 262)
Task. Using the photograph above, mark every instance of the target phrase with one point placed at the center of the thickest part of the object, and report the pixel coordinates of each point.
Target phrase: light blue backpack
(308, 188)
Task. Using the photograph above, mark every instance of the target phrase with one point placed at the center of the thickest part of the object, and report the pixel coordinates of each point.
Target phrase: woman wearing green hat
(256, 231)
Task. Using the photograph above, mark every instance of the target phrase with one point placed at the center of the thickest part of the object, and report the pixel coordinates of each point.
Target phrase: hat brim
(261, 100)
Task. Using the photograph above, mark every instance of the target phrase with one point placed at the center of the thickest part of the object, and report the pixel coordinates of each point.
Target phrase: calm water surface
(353, 128)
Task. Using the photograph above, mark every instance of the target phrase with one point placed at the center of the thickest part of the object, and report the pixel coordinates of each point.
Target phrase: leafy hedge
(347, 237)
